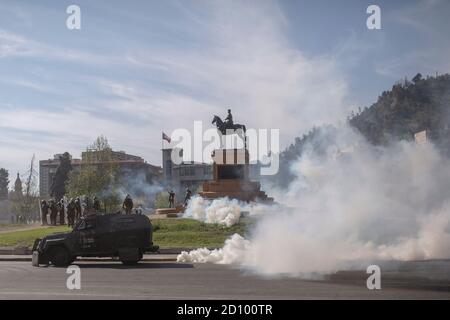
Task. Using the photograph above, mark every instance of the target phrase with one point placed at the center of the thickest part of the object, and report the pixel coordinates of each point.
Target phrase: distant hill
(409, 107)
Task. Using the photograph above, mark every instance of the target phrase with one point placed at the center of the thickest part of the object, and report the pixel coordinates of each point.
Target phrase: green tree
(97, 175)
(25, 201)
(58, 189)
(4, 182)
(18, 191)
(417, 78)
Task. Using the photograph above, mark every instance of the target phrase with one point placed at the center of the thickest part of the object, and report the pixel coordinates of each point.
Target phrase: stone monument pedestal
(231, 178)
(171, 212)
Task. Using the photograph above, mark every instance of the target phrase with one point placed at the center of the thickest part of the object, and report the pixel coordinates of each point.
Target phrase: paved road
(171, 280)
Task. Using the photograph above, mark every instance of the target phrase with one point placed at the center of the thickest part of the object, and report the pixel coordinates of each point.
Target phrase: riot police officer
(127, 204)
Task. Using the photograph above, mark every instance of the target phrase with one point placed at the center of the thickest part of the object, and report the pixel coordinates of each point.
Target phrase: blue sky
(137, 68)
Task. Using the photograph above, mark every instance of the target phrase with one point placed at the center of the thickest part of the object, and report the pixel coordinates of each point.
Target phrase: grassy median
(192, 233)
(167, 233)
(26, 238)
(10, 225)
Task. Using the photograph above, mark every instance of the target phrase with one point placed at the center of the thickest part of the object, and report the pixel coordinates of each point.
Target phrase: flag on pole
(166, 137)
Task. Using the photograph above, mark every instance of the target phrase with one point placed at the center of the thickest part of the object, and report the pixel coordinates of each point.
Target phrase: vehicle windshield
(84, 224)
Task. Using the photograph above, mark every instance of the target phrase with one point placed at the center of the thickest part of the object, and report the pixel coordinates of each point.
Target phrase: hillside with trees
(409, 107)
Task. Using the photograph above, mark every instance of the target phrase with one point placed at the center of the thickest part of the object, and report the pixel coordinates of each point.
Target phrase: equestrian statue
(229, 127)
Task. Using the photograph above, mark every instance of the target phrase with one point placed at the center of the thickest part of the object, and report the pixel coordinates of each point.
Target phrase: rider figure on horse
(229, 119)
(227, 126)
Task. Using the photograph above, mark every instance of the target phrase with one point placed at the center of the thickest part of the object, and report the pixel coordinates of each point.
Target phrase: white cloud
(28, 84)
(249, 65)
(243, 60)
(426, 22)
(13, 45)
(16, 45)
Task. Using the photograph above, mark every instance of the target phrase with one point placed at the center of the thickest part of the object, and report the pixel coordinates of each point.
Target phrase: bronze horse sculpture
(224, 129)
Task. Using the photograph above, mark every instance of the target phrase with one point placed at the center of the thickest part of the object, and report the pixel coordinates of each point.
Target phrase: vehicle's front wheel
(59, 256)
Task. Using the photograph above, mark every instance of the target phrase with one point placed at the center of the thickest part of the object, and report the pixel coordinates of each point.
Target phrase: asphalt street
(171, 280)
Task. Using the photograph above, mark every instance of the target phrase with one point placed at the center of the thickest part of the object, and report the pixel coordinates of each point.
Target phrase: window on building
(207, 170)
(168, 168)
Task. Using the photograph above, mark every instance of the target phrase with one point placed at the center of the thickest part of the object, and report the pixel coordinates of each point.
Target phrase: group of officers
(77, 207)
(74, 208)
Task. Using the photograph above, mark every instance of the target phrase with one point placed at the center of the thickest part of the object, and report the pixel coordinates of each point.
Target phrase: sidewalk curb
(26, 251)
(17, 259)
(152, 259)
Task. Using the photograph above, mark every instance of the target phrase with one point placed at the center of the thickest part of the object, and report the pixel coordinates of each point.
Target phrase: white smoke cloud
(232, 252)
(223, 211)
(356, 203)
(138, 186)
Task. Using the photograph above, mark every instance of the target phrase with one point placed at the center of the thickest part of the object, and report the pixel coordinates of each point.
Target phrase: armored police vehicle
(127, 237)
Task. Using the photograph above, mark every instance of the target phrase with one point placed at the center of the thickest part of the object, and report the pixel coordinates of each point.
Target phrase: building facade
(186, 174)
(128, 165)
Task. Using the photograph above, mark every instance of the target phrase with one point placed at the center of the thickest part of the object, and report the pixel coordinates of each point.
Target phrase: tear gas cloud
(354, 203)
(235, 248)
(142, 190)
(222, 211)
